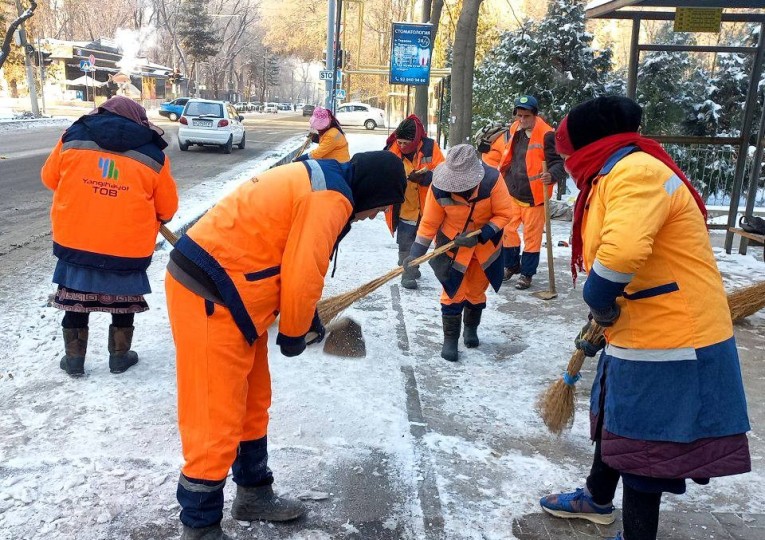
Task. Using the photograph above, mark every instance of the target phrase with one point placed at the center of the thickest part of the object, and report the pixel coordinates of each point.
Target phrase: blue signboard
(410, 54)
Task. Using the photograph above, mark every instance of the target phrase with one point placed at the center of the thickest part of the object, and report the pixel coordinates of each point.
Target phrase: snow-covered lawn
(396, 445)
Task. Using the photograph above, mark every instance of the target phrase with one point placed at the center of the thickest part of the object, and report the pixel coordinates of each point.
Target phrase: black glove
(484, 146)
(590, 348)
(463, 240)
(606, 317)
(415, 252)
(293, 348)
(317, 328)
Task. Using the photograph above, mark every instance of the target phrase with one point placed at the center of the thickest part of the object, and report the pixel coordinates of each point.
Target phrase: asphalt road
(25, 202)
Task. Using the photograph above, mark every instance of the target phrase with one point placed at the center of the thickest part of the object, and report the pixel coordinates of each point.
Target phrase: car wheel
(241, 143)
(173, 117)
(370, 124)
(183, 146)
(229, 145)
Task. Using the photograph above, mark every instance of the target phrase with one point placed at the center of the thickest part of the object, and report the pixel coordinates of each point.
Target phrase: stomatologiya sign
(410, 54)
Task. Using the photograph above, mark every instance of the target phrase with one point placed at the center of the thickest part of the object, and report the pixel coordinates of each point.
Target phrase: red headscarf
(405, 131)
(584, 164)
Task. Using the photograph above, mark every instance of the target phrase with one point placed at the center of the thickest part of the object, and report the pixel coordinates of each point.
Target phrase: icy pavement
(397, 445)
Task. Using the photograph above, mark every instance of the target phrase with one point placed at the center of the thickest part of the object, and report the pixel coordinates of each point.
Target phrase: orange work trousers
(533, 220)
(472, 289)
(224, 385)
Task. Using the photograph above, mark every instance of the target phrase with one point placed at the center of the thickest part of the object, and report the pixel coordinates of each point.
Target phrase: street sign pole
(330, 57)
(335, 55)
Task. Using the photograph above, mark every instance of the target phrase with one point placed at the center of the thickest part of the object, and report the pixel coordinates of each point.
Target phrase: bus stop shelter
(750, 11)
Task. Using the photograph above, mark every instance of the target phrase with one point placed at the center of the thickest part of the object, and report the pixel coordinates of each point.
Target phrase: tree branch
(5, 49)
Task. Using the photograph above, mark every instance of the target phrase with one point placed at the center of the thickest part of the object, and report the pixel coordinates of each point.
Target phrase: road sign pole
(330, 57)
(335, 55)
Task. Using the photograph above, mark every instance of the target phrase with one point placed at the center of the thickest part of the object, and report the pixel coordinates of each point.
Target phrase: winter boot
(120, 355)
(472, 320)
(511, 271)
(452, 324)
(213, 532)
(75, 346)
(524, 282)
(262, 504)
(409, 279)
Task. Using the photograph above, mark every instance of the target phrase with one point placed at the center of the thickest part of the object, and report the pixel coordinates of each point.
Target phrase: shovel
(552, 293)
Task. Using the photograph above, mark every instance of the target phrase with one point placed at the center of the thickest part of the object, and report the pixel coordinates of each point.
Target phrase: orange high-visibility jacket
(107, 203)
(445, 216)
(428, 156)
(535, 157)
(267, 245)
(493, 157)
(332, 145)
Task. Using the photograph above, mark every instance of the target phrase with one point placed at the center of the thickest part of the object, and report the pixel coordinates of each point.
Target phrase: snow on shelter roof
(604, 8)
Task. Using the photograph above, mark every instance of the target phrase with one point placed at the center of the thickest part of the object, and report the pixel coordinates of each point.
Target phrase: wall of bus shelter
(704, 158)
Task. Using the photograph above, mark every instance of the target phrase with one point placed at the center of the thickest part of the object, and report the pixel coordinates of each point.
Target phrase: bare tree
(462, 73)
(5, 48)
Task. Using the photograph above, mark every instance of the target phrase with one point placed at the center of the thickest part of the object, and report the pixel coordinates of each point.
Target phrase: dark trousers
(641, 497)
(405, 235)
(74, 319)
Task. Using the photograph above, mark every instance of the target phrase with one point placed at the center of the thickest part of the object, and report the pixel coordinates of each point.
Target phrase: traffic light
(42, 55)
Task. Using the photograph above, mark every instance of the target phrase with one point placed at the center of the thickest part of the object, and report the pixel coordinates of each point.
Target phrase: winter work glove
(484, 146)
(415, 252)
(606, 317)
(590, 348)
(463, 240)
(293, 348)
(418, 177)
(316, 328)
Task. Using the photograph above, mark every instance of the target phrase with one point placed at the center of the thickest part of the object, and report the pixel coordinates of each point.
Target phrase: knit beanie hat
(461, 171)
(596, 119)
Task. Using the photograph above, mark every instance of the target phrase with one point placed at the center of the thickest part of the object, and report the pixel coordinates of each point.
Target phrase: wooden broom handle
(169, 235)
(302, 148)
(548, 233)
(438, 251)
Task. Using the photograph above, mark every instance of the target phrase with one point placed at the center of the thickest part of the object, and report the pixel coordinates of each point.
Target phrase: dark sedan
(308, 110)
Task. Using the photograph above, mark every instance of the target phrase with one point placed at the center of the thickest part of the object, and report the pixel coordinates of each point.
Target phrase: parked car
(270, 108)
(360, 114)
(285, 107)
(256, 106)
(308, 110)
(211, 123)
(242, 106)
(173, 109)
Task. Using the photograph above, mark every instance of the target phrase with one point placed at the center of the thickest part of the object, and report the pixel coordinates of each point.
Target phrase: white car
(360, 114)
(211, 123)
(271, 108)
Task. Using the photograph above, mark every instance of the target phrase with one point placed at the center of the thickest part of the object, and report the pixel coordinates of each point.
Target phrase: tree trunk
(5, 47)
(461, 114)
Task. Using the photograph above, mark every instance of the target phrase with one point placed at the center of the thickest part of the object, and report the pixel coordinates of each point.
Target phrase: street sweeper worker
(326, 130)
(112, 186)
(260, 252)
(466, 196)
(530, 145)
(420, 155)
(667, 401)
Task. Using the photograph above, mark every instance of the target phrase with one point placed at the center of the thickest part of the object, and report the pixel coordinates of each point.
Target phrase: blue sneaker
(617, 537)
(578, 505)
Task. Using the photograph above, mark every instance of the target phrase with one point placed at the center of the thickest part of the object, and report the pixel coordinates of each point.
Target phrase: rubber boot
(213, 532)
(472, 320)
(409, 279)
(120, 355)
(75, 347)
(452, 324)
(262, 504)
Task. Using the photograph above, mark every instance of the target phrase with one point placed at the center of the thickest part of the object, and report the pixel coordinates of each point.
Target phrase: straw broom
(330, 308)
(556, 404)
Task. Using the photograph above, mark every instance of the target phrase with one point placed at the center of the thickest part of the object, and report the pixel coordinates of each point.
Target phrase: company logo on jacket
(108, 170)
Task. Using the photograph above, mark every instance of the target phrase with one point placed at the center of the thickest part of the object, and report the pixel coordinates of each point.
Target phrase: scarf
(411, 129)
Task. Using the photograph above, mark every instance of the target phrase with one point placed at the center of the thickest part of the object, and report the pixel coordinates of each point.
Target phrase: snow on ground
(399, 445)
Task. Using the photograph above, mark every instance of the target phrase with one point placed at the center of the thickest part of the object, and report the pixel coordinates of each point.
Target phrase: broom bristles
(556, 404)
(330, 308)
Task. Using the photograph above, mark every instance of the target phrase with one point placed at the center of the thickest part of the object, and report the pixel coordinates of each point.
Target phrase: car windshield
(197, 108)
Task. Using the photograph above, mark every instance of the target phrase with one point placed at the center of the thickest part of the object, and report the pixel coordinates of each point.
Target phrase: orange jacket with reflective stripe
(332, 145)
(493, 157)
(445, 217)
(535, 157)
(267, 245)
(427, 156)
(107, 203)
